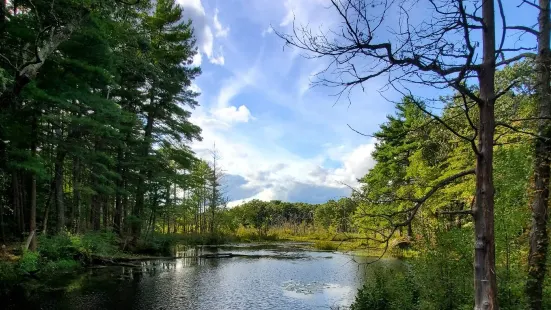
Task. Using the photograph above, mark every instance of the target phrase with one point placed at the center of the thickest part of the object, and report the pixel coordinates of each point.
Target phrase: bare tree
(451, 46)
(217, 198)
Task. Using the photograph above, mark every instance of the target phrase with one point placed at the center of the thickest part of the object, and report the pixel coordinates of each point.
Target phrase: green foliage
(57, 247)
(326, 245)
(388, 289)
(9, 275)
(62, 265)
(157, 244)
(67, 247)
(28, 263)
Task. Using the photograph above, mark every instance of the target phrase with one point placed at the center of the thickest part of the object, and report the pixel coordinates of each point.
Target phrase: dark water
(288, 277)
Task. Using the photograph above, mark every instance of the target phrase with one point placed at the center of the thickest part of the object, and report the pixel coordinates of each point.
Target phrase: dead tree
(452, 45)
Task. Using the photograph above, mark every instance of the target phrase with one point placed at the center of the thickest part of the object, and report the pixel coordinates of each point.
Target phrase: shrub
(388, 289)
(56, 247)
(29, 262)
(60, 266)
(8, 272)
(101, 243)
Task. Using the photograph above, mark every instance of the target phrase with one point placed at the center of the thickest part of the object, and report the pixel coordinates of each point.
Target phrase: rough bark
(483, 212)
(539, 238)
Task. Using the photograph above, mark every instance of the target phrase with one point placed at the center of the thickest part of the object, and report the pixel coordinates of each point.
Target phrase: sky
(277, 137)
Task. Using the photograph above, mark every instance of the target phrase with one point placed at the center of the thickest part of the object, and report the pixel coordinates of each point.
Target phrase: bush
(101, 243)
(252, 234)
(29, 262)
(63, 265)
(56, 247)
(388, 289)
(8, 272)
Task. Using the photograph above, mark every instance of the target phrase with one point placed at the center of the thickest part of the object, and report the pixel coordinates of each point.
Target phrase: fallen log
(230, 255)
(220, 255)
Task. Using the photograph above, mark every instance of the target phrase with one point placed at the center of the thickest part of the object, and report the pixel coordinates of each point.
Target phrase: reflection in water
(319, 281)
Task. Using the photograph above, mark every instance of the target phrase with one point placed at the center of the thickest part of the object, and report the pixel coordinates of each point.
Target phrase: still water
(280, 276)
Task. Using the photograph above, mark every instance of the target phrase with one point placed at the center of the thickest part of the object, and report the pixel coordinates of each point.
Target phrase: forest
(96, 160)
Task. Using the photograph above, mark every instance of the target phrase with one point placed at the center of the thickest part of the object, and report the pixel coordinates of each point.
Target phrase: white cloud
(304, 12)
(266, 194)
(195, 88)
(197, 60)
(257, 151)
(221, 31)
(194, 10)
(355, 164)
(233, 114)
(219, 60)
(235, 85)
(267, 31)
(272, 172)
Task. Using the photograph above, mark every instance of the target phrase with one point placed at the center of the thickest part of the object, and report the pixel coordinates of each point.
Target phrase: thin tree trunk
(117, 222)
(60, 207)
(76, 194)
(485, 286)
(2, 232)
(539, 238)
(95, 212)
(32, 216)
(47, 210)
(124, 208)
(144, 172)
(105, 210)
(174, 201)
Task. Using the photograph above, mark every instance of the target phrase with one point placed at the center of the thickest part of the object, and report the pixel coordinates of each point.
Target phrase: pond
(277, 276)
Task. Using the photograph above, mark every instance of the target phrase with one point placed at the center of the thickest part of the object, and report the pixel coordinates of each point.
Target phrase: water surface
(285, 277)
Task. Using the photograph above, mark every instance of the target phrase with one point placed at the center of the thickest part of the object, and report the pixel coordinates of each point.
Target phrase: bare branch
(525, 29)
(511, 127)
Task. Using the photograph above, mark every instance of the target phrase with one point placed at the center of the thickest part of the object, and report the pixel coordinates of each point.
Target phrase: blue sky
(277, 138)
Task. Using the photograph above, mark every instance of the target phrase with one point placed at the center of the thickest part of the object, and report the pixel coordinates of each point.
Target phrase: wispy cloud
(277, 138)
(194, 10)
(221, 31)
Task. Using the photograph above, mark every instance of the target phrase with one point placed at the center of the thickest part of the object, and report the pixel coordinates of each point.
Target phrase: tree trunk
(144, 172)
(174, 201)
(539, 238)
(58, 179)
(105, 210)
(95, 212)
(483, 213)
(47, 209)
(168, 204)
(18, 203)
(76, 195)
(2, 232)
(117, 222)
(32, 216)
